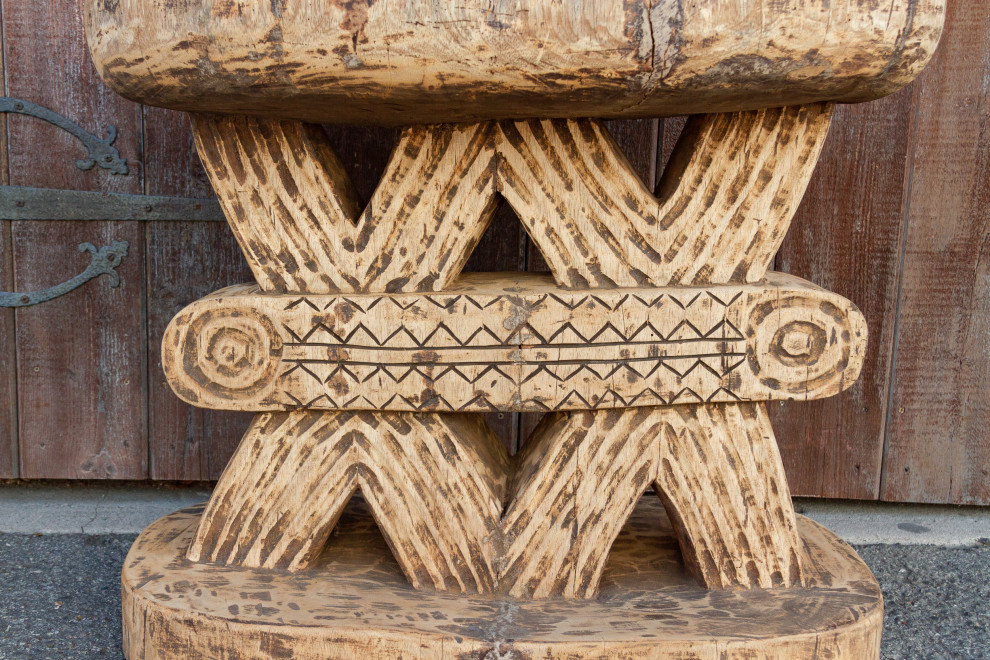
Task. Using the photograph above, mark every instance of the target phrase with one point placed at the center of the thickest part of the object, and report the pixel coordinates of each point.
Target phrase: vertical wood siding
(897, 219)
(8, 358)
(185, 261)
(847, 238)
(81, 357)
(938, 435)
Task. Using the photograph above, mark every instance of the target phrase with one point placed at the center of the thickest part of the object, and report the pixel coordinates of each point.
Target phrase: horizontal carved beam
(514, 344)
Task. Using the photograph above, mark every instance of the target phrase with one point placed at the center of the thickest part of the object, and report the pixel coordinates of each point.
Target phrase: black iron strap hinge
(20, 203)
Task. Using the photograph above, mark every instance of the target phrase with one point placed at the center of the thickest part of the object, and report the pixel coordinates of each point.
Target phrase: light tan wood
(651, 349)
(514, 342)
(357, 604)
(292, 209)
(580, 475)
(391, 350)
(436, 484)
(440, 526)
(724, 207)
(423, 62)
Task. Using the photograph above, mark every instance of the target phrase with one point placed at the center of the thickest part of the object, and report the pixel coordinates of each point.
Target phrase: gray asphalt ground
(59, 597)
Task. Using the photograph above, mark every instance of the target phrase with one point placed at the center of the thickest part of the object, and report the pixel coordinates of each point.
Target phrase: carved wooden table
(368, 357)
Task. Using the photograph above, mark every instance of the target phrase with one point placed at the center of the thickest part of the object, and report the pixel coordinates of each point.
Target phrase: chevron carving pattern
(438, 486)
(440, 528)
(722, 210)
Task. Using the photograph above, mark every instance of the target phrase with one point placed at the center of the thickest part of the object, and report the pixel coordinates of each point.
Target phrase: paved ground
(937, 600)
(59, 597)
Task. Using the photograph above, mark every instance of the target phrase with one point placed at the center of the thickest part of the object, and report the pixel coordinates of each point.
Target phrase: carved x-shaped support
(723, 208)
(457, 514)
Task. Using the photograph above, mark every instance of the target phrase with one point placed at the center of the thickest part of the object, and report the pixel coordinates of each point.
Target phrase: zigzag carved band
(514, 344)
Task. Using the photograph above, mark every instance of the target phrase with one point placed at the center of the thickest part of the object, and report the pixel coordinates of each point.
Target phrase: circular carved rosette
(228, 355)
(796, 345)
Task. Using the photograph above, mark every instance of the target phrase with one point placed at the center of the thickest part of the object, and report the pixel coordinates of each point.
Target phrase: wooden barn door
(83, 396)
(897, 219)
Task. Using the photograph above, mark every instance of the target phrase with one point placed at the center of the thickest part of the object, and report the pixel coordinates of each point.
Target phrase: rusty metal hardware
(103, 261)
(21, 203)
(101, 150)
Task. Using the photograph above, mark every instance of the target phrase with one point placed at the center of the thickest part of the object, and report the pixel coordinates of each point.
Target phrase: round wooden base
(357, 604)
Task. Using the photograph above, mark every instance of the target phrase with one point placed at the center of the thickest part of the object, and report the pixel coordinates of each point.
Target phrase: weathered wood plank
(9, 459)
(429, 62)
(637, 140)
(668, 134)
(847, 236)
(938, 448)
(81, 372)
(185, 261)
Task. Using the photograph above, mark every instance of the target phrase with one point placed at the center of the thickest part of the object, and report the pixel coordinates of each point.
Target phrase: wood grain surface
(513, 343)
(437, 485)
(298, 219)
(597, 225)
(80, 358)
(424, 62)
(358, 605)
(9, 450)
(364, 152)
(937, 444)
(434, 482)
(185, 261)
(716, 469)
(593, 219)
(830, 448)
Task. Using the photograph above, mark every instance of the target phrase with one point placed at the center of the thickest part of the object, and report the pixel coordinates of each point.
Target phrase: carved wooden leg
(294, 213)
(716, 469)
(285, 488)
(725, 204)
(722, 483)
